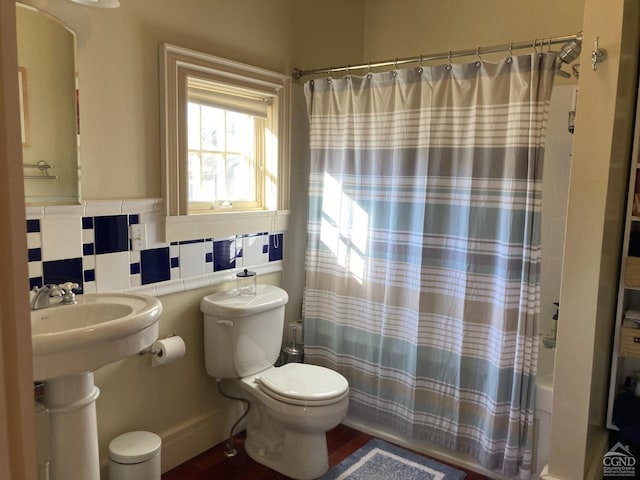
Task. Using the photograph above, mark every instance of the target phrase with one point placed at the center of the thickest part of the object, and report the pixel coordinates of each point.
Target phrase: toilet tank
(242, 333)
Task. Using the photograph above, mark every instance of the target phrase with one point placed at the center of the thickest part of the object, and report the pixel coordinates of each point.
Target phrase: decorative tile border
(90, 245)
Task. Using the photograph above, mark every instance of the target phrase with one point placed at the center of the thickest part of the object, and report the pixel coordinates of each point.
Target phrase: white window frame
(177, 64)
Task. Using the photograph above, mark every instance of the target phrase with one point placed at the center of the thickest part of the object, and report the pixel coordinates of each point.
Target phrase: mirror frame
(176, 64)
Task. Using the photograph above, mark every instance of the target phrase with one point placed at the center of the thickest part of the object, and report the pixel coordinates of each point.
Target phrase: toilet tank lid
(230, 304)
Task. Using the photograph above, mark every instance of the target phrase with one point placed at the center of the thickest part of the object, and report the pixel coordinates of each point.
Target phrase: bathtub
(542, 426)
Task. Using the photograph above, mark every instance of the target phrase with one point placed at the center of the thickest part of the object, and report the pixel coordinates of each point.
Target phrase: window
(226, 134)
(226, 145)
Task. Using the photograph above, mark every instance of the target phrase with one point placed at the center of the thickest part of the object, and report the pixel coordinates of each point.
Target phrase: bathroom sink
(100, 329)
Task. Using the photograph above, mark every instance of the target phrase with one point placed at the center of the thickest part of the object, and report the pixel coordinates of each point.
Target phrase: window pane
(240, 133)
(195, 192)
(240, 174)
(212, 129)
(193, 113)
(222, 149)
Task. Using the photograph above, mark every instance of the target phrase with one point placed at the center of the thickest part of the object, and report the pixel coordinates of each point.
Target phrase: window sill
(224, 224)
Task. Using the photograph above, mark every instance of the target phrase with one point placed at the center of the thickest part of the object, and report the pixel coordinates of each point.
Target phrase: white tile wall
(58, 234)
(555, 190)
(112, 271)
(253, 252)
(61, 237)
(192, 259)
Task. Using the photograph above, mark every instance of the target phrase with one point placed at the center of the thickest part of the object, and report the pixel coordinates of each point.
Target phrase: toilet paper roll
(168, 350)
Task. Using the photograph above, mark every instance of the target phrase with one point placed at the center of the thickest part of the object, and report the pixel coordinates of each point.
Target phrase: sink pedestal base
(73, 425)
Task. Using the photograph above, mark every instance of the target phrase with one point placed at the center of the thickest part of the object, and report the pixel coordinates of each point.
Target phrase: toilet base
(302, 456)
(289, 439)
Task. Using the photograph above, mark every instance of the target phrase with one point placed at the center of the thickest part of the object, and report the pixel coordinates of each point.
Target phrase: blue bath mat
(379, 460)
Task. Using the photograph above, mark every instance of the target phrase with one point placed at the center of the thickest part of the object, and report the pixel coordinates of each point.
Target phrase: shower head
(569, 52)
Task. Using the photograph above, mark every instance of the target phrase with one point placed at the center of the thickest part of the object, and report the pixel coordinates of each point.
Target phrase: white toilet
(292, 406)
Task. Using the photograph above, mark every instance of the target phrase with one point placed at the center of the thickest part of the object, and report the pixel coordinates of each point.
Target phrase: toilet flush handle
(225, 323)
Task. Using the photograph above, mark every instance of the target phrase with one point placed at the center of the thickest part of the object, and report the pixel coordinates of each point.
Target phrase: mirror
(49, 107)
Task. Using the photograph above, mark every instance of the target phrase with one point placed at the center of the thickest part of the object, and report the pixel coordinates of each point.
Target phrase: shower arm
(507, 47)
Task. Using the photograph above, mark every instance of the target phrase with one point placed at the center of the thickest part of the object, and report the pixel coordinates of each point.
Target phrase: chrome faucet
(43, 296)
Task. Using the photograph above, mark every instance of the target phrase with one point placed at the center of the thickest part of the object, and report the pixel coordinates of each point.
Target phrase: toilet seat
(303, 384)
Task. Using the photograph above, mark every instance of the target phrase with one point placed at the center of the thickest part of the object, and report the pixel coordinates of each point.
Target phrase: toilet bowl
(292, 406)
(286, 428)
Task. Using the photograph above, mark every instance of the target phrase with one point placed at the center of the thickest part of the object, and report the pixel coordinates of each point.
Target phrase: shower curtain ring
(369, 74)
(479, 61)
(510, 57)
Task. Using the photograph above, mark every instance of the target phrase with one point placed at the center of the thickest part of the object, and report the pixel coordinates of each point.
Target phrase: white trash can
(135, 456)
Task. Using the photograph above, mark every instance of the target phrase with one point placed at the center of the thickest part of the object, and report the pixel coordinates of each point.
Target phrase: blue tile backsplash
(111, 234)
(105, 260)
(155, 266)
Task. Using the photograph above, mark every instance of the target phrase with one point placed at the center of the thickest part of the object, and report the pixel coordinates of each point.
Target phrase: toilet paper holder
(154, 351)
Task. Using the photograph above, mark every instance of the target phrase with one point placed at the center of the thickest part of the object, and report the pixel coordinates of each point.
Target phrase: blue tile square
(35, 282)
(135, 268)
(90, 275)
(154, 265)
(224, 255)
(134, 219)
(33, 226)
(87, 223)
(175, 262)
(208, 257)
(265, 249)
(87, 249)
(61, 271)
(275, 247)
(111, 234)
(34, 254)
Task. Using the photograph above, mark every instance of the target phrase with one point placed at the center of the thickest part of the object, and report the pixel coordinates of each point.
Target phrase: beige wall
(405, 28)
(118, 68)
(595, 211)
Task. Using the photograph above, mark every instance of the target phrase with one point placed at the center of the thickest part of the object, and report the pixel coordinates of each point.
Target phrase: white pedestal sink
(69, 342)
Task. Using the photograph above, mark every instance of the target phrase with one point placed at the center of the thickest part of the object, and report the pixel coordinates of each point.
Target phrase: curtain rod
(507, 47)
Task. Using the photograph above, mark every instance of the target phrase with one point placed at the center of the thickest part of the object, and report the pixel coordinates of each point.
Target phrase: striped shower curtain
(423, 255)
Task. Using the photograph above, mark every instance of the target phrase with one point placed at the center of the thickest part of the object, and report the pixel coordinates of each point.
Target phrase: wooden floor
(212, 464)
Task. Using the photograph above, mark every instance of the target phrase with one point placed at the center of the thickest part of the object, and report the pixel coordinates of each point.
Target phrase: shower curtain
(423, 255)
